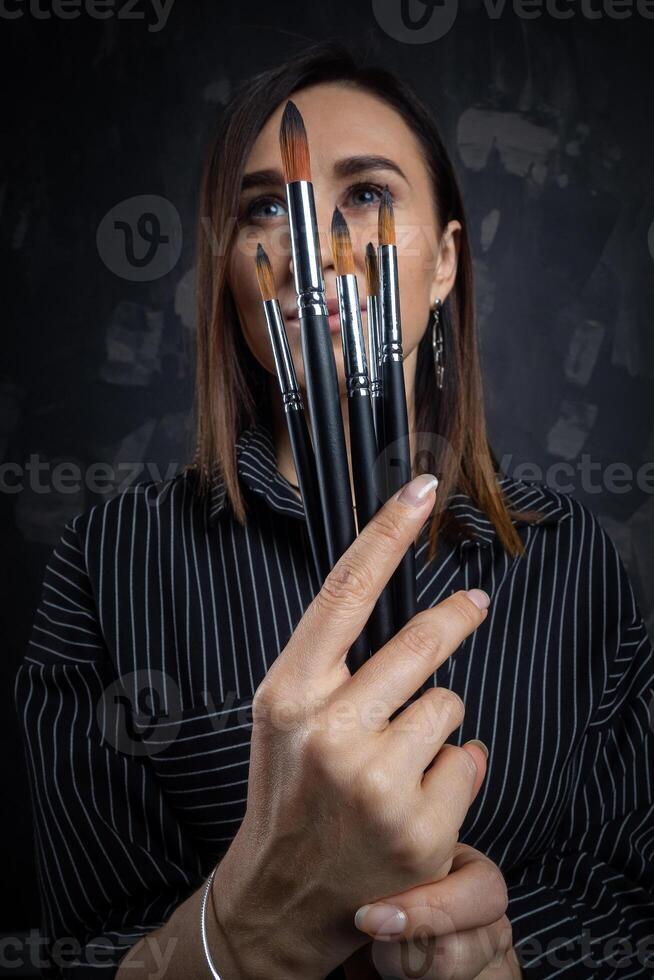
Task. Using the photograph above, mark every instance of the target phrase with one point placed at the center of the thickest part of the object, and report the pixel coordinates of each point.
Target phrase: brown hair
(231, 384)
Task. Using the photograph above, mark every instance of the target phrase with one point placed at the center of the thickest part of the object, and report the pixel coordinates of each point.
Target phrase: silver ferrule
(305, 248)
(372, 309)
(354, 351)
(286, 375)
(389, 292)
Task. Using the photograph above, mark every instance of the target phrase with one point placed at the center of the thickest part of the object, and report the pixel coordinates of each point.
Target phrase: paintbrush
(372, 310)
(301, 448)
(363, 444)
(395, 448)
(321, 378)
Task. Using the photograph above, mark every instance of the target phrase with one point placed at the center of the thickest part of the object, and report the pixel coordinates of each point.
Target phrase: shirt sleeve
(112, 860)
(585, 907)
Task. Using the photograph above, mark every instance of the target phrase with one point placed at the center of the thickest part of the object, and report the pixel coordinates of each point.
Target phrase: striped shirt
(159, 617)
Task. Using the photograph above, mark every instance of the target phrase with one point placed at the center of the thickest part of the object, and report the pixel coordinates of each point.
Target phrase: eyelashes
(375, 188)
(254, 210)
(260, 203)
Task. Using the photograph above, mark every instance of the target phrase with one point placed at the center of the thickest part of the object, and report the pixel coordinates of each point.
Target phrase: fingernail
(480, 598)
(415, 492)
(383, 920)
(482, 746)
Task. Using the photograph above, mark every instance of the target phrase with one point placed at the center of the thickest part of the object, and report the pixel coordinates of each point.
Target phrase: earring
(438, 342)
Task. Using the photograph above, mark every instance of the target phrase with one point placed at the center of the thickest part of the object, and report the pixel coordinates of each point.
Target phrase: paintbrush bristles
(294, 145)
(386, 219)
(372, 271)
(341, 245)
(265, 276)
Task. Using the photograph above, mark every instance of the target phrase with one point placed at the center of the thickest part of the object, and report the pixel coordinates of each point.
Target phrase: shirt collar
(550, 506)
(256, 464)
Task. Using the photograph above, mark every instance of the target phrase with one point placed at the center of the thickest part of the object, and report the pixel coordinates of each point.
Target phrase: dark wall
(549, 124)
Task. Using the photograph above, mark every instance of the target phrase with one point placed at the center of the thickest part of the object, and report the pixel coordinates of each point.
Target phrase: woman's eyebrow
(347, 167)
(351, 166)
(262, 178)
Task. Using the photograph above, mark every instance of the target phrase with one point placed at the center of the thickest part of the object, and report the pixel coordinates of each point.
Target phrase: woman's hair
(231, 386)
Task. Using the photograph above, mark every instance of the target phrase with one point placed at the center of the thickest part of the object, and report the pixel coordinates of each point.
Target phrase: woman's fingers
(396, 671)
(343, 605)
(447, 789)
(417, 734)
(472, 894)
(467, 955)
(451, 928)
(480, 755)
(508, 969)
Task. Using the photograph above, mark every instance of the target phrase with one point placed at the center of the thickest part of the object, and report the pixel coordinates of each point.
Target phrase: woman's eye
(265, 207)
(365, 195)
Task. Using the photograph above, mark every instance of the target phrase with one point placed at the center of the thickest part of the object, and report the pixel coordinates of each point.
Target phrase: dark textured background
(549, 125)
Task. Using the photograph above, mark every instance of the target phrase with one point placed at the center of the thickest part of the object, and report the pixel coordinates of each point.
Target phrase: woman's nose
(324, 239)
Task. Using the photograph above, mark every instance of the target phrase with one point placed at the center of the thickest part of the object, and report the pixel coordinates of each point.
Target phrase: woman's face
(357, 144)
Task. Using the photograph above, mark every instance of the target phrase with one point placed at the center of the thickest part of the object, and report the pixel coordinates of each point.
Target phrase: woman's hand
(340, 810)
(456, 928)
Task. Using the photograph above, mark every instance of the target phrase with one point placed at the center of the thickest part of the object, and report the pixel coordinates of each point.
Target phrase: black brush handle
(323, 399)
(307, 477)
(398, 469)
(369, 498)
(324, 405)
(378, 416)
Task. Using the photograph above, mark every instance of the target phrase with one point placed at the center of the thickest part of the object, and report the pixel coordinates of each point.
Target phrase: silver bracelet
(203, 926)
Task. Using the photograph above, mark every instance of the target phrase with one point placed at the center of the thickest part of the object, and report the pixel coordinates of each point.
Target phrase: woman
(166, 609)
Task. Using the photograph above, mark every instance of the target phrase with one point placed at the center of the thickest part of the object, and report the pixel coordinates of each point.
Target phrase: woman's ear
(446, 265)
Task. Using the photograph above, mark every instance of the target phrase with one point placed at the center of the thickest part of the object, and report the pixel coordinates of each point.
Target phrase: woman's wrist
(246, 948)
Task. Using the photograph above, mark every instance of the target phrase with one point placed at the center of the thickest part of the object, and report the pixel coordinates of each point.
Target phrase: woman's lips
(334, 322)
(333, 319)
